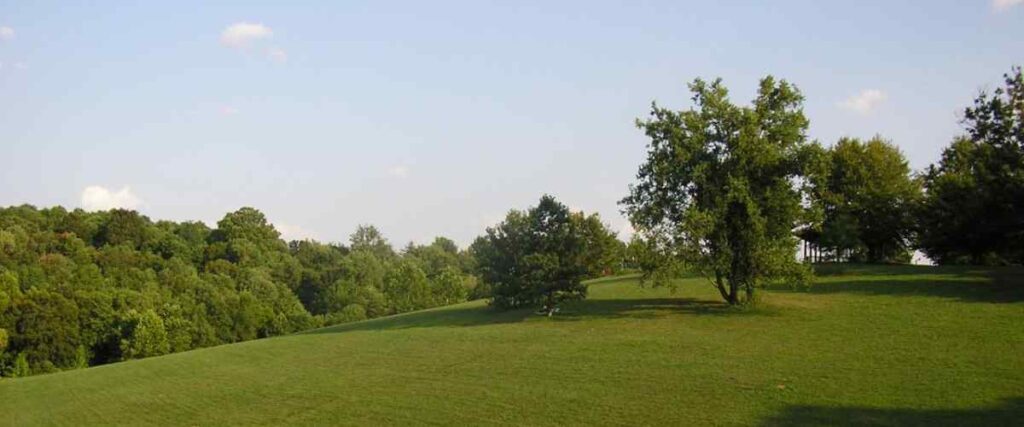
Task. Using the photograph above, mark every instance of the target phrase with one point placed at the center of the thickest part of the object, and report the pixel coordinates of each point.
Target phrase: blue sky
(435, 118)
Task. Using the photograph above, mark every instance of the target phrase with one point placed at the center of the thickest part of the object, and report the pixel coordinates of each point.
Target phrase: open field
(867, 345)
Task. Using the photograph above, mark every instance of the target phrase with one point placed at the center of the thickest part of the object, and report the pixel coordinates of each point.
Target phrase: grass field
(867, 345)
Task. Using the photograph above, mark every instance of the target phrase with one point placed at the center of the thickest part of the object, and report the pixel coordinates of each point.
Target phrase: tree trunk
(720, 284)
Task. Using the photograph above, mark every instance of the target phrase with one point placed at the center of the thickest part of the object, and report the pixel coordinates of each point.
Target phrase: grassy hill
(868, 345)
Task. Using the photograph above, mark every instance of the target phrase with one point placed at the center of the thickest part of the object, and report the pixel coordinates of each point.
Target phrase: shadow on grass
(447, 317)
(969, 284)
(466, 316)
(649, 308)
(1009, 413)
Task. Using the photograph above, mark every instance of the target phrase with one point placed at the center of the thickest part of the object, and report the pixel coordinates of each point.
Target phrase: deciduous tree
(974, 206)
(718, 190)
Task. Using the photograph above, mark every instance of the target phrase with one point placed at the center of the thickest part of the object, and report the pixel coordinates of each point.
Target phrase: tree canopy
(974, 206)
(86, 288)
(540, 256)
(718, 189)
(868, 197)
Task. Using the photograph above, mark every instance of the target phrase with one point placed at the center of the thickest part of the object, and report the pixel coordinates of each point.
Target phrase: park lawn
(891, 345)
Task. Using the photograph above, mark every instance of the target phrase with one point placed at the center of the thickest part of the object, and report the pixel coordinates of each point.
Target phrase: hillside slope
(886, 345)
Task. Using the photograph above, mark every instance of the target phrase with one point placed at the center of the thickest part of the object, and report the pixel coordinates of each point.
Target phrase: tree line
(83, 288)
(726, 190)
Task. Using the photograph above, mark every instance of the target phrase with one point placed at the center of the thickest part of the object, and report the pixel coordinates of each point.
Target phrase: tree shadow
(1010, 412)
(860, 269)
(480, 315)
(649, 308)
(447, 317)
(968, 284)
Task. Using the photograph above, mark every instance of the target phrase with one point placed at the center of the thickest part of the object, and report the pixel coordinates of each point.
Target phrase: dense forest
(84, 288)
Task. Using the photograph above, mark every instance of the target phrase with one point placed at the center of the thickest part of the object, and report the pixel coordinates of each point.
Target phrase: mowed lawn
(867, 345)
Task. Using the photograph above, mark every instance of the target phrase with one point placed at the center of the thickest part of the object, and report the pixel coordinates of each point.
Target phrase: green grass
(867, 345)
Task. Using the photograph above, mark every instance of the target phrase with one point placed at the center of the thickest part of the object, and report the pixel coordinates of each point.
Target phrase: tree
(247, 224)
(603, 252)
(123, 227)
(533, 258)
(406, 287)
(46, 328)
(869, 198)
(448, 287)
(717, 191)
(145, 336)
(436, 257)
(974, 205)
(368, 238)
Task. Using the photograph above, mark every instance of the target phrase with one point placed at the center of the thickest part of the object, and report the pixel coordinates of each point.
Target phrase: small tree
(533, 258)
(718, 190)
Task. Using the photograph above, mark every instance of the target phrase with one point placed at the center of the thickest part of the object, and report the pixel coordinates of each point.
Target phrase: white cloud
(277, 55)
(240, 34)
(6, 33)
(228, 110)
(97, 198)
(21, 65)
(293, 232)
(399, 171)
(1005, 4)
(865, 101)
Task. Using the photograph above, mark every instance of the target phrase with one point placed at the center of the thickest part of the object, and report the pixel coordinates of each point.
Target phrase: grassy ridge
(872, 345)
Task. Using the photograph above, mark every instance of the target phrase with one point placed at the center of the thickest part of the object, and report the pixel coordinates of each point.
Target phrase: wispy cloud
(399, 171)
(1001, 5)
(98, 198)
(277, 55)
(6, 33)
(228, 110)
(242, 34)
(865, 101)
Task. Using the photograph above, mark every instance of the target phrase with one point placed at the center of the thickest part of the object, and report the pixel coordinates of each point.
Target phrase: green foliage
(144, 335)
(717, 191)
(975, 194)
(350, 313)
(868, 197)
(534, 258)
(21, 366)
(449, 287)
(80, 288)
(603, 252)
(368, 238)
(123, 227)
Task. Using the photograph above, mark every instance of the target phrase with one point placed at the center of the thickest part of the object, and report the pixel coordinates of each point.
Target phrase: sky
(436, 118)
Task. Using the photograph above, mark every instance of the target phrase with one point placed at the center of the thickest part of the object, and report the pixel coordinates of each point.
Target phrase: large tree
(533, 258)
(719, 191)
(974, 207)
(868, 197)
